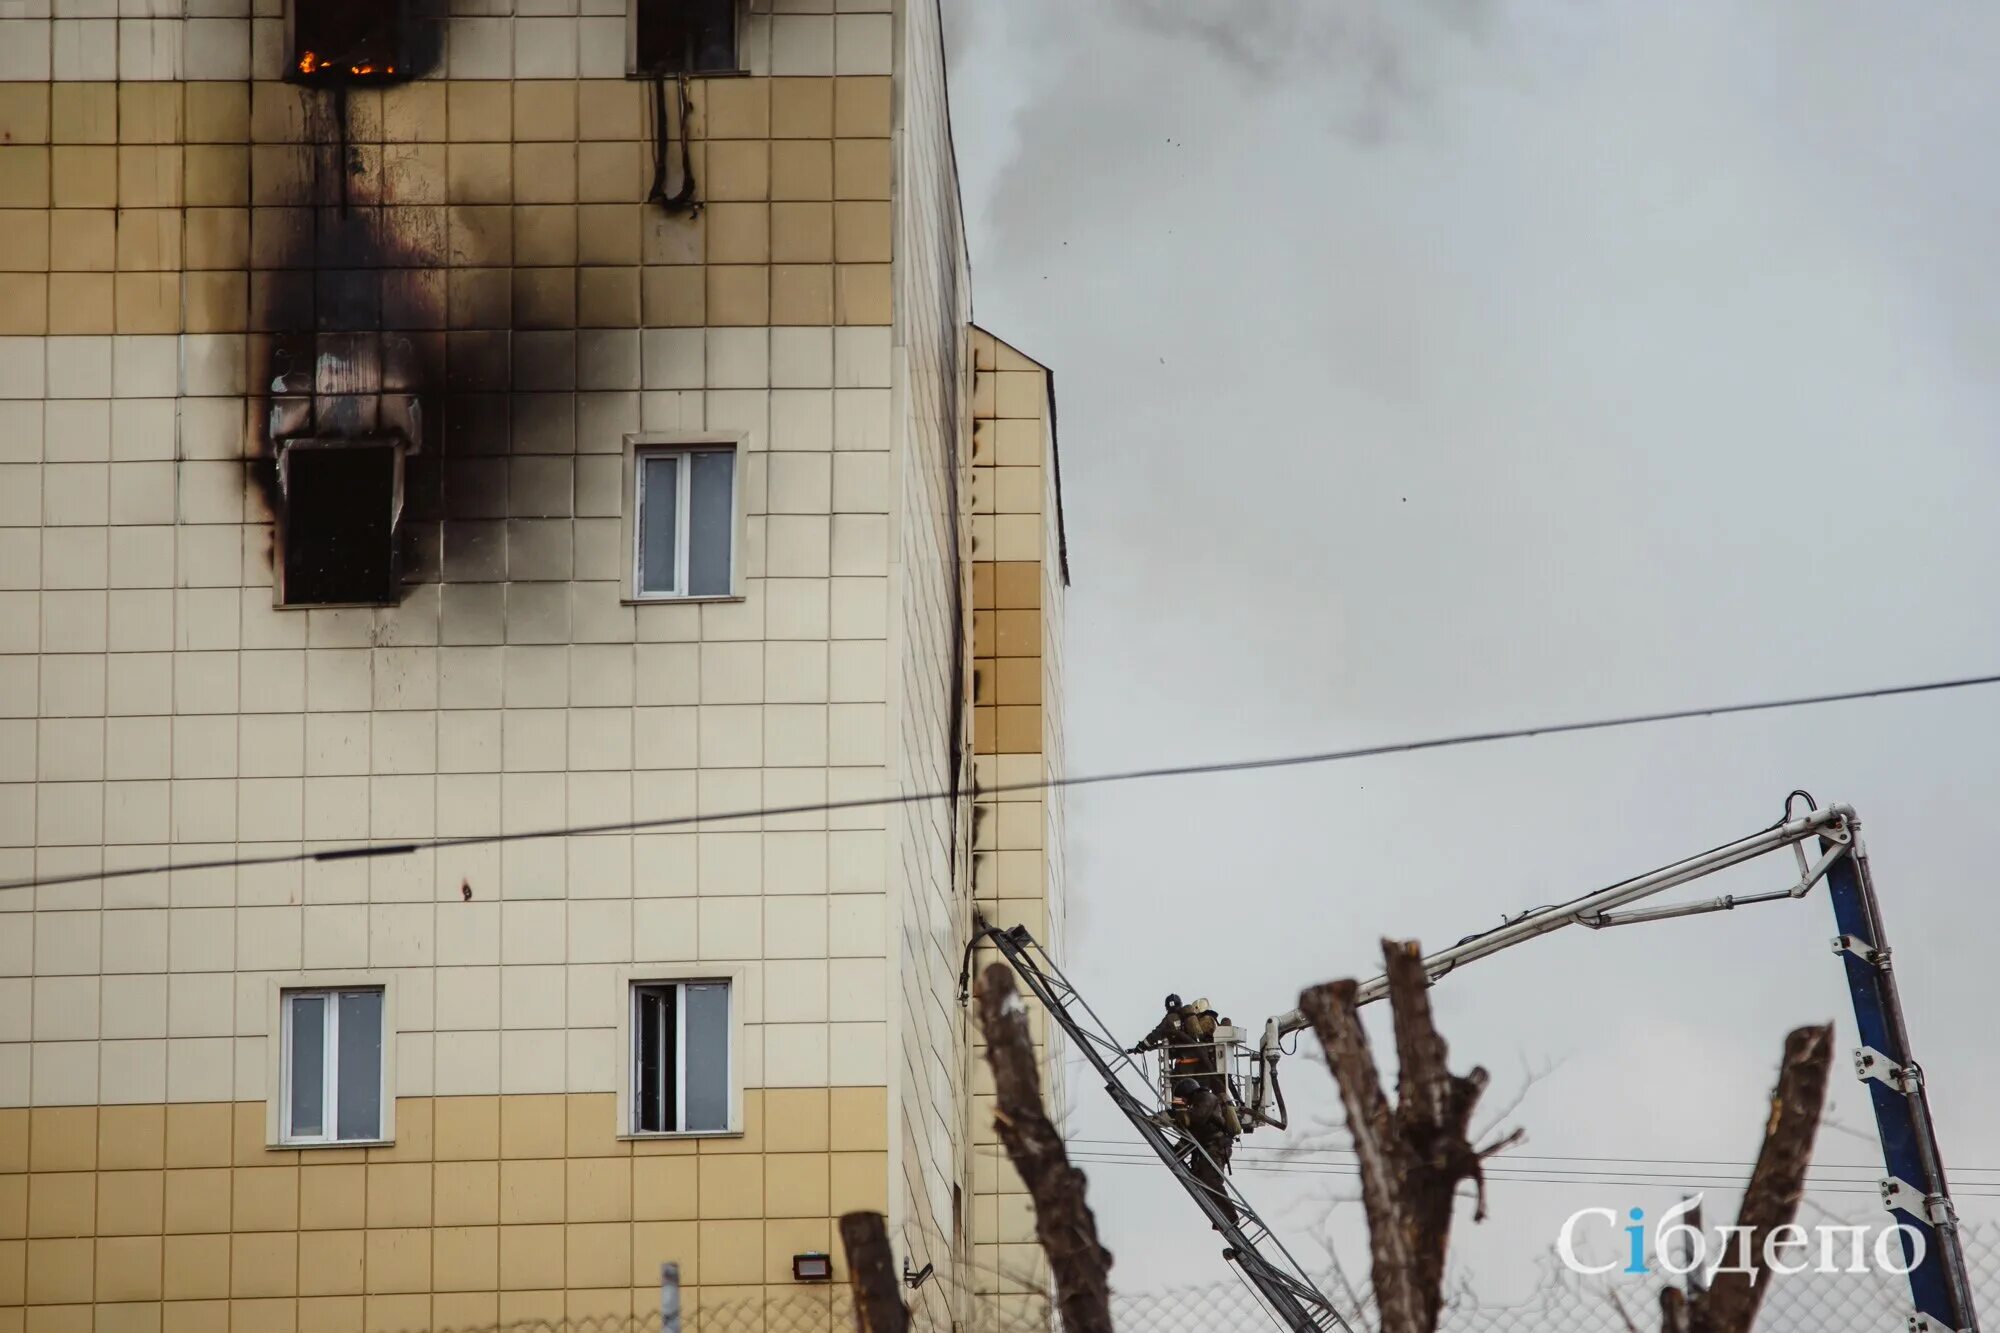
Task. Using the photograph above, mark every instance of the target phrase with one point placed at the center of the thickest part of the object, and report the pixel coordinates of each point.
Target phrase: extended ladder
(1259, 1256)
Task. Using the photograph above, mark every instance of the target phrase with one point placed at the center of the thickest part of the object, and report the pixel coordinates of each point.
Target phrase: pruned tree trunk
(871, 1270)
(1063, 1221)
(1772, 1198)
(1412, 1155)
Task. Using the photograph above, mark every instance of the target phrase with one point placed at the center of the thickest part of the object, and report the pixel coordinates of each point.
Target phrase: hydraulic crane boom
(1915, 1188)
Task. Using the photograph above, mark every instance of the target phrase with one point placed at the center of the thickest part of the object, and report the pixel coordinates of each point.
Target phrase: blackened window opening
(336, 41)
(340, 520)
(684, 37)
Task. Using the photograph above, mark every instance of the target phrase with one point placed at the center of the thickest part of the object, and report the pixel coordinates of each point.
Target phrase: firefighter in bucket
(1199, 1093)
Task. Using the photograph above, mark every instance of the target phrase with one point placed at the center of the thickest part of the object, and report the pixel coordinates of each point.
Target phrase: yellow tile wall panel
(217, 112)
(802, 108)
(62, 1138)
(198, 1134)
(531, 1190)
(399, 1194)
(862, 168)
(531, 1257)
(859, 1183)
(465, 1258)
(399, 1260)
(195, 1267)
(533, 1125)
(732, 1187)
(598, 1189)
(24, 176)
(60, 1271)
(396, 1311)
(859, 1119)
(14, 1207)
(795, 1185)
(197, 1200)
(731, 1252)
(24, 303)
(599, 1254)
(62, 1203)
(467, 1193)
(24, 113)
(796, 1119)
(333, 1197)
(591, 1126)
(332, 1263)
(466, 1128)
(24, 239)
(265, 1199)
(862, 107)
(84, 112)
(665, 1188)
(264, 1264)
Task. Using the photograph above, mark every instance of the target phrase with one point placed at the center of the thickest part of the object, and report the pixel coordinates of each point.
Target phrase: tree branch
(1776, 1183)
(1412, 1156)
(1063, 1220)
(871, 1269)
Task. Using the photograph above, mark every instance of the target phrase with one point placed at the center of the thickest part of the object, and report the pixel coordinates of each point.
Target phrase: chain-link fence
(1561, 1302)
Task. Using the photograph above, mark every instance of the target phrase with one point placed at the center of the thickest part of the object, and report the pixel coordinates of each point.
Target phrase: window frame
(277, 1118)
(629, 982)
(639, 447)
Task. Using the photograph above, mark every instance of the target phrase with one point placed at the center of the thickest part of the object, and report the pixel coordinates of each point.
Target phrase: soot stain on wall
(352, 343)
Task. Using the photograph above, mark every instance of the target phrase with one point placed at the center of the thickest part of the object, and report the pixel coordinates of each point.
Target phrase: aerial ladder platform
(1914, 1188)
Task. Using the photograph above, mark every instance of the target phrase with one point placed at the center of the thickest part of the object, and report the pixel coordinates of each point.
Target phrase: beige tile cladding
(1015, 626)
(166, 208)
(487, 1209)
(154, 708)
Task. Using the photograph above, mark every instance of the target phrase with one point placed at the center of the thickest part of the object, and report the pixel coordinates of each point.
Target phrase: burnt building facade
(442, 429)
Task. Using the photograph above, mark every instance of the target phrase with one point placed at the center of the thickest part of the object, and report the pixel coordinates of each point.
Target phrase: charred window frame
(345, 41)
(664, 38)
(343, 504)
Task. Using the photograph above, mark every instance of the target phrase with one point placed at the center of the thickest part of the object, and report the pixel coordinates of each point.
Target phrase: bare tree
(1771, 1200)
(1412, 1155)
(1063, 1221)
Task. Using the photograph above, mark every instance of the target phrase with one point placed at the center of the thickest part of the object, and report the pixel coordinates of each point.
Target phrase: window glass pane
(358, 1078)
(653, 1064)
(659, 497)
(707, 1055)
(711, 522)
(307, 1016)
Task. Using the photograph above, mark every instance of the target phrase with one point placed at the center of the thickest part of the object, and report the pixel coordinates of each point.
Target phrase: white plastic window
(332, 1089)
(687, 522)
(680, 1057)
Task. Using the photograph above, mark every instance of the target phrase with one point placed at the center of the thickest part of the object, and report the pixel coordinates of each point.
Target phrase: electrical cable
(1492, 1173)
(1290, 1150)
(682, 200)
(1005, 788)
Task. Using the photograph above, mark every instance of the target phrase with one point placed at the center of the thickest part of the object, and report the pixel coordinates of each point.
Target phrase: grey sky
(1431, 366)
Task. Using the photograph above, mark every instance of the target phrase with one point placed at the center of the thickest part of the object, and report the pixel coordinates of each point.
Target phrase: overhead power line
(1530, 1177)
(1336, 1156)
(405, 848)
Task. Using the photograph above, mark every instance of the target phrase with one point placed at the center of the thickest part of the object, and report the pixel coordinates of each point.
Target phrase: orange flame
(308, 63)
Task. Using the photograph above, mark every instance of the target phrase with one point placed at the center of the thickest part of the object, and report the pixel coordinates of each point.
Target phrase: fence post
(670, 1298)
